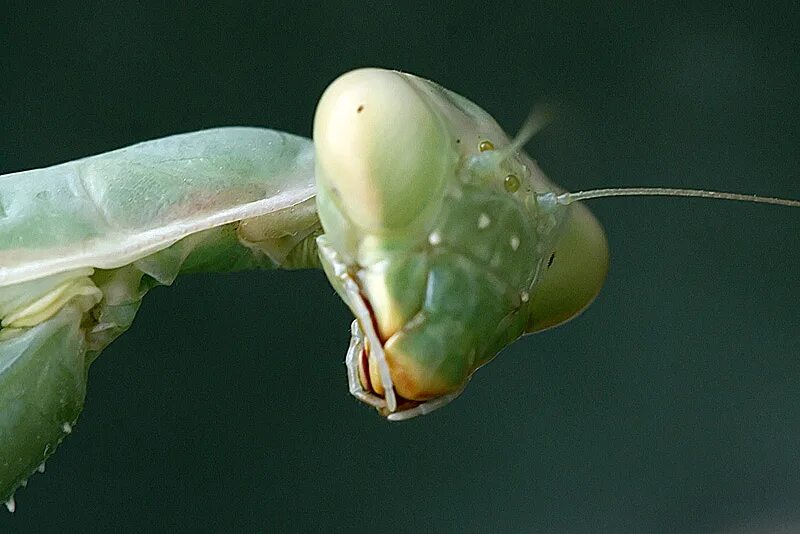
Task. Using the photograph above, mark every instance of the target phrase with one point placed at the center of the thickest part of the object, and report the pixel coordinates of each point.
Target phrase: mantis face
(439, 236)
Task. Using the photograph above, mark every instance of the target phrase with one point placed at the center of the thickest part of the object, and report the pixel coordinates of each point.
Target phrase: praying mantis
(443, 238)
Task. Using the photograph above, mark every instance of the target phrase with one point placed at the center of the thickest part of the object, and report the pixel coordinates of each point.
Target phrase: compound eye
(382, 148)
(570, 283)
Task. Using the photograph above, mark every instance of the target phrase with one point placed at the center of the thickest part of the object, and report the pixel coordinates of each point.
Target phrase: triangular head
(442, 236)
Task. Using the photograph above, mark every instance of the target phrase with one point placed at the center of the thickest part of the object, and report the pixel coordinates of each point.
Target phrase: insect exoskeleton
(82, 242)
(443, 238)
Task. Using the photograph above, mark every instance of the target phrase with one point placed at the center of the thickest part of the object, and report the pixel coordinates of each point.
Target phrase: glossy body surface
(440, 221)
(673, 400)
(82, 242)
(435, 236)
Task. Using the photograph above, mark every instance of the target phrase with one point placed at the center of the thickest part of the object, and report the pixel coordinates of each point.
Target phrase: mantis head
(444, 239)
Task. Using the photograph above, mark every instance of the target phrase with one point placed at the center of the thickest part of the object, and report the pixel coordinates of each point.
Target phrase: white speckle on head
(514, 242)
(40, 468)
(11, 504)
(484, 221)
(524, 296)
(24, 483)
(67, 428)
(455, 192)
(417, 320)
(435, 238)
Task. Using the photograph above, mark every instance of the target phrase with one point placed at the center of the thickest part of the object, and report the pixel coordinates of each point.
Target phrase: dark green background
(672, 404)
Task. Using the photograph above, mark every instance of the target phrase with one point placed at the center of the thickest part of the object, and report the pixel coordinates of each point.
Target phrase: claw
(364, 318)
(351, 360)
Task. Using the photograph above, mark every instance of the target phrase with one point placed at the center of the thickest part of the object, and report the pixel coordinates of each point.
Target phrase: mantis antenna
(542, 115)
(568, 198)
(538, 119)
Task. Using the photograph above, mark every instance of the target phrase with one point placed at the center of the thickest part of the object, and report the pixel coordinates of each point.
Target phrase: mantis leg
(47, 346)
(43, 373)
(354, 352)
(426, 407)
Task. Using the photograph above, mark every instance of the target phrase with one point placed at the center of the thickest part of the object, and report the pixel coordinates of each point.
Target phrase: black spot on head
(360, 108)
(550, 261)
(458, 141)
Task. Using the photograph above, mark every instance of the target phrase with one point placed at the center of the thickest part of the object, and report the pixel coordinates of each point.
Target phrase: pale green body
(107, 228)
(442, 260)
(438, 237)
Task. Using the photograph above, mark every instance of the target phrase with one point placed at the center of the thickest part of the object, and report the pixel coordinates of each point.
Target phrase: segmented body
(82, 242)
(437, 234)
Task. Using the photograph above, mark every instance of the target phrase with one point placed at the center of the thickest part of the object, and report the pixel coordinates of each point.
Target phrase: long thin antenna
(569, 198)
(540, 116)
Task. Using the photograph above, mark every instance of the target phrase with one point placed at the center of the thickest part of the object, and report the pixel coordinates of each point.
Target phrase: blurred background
(671, 405)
